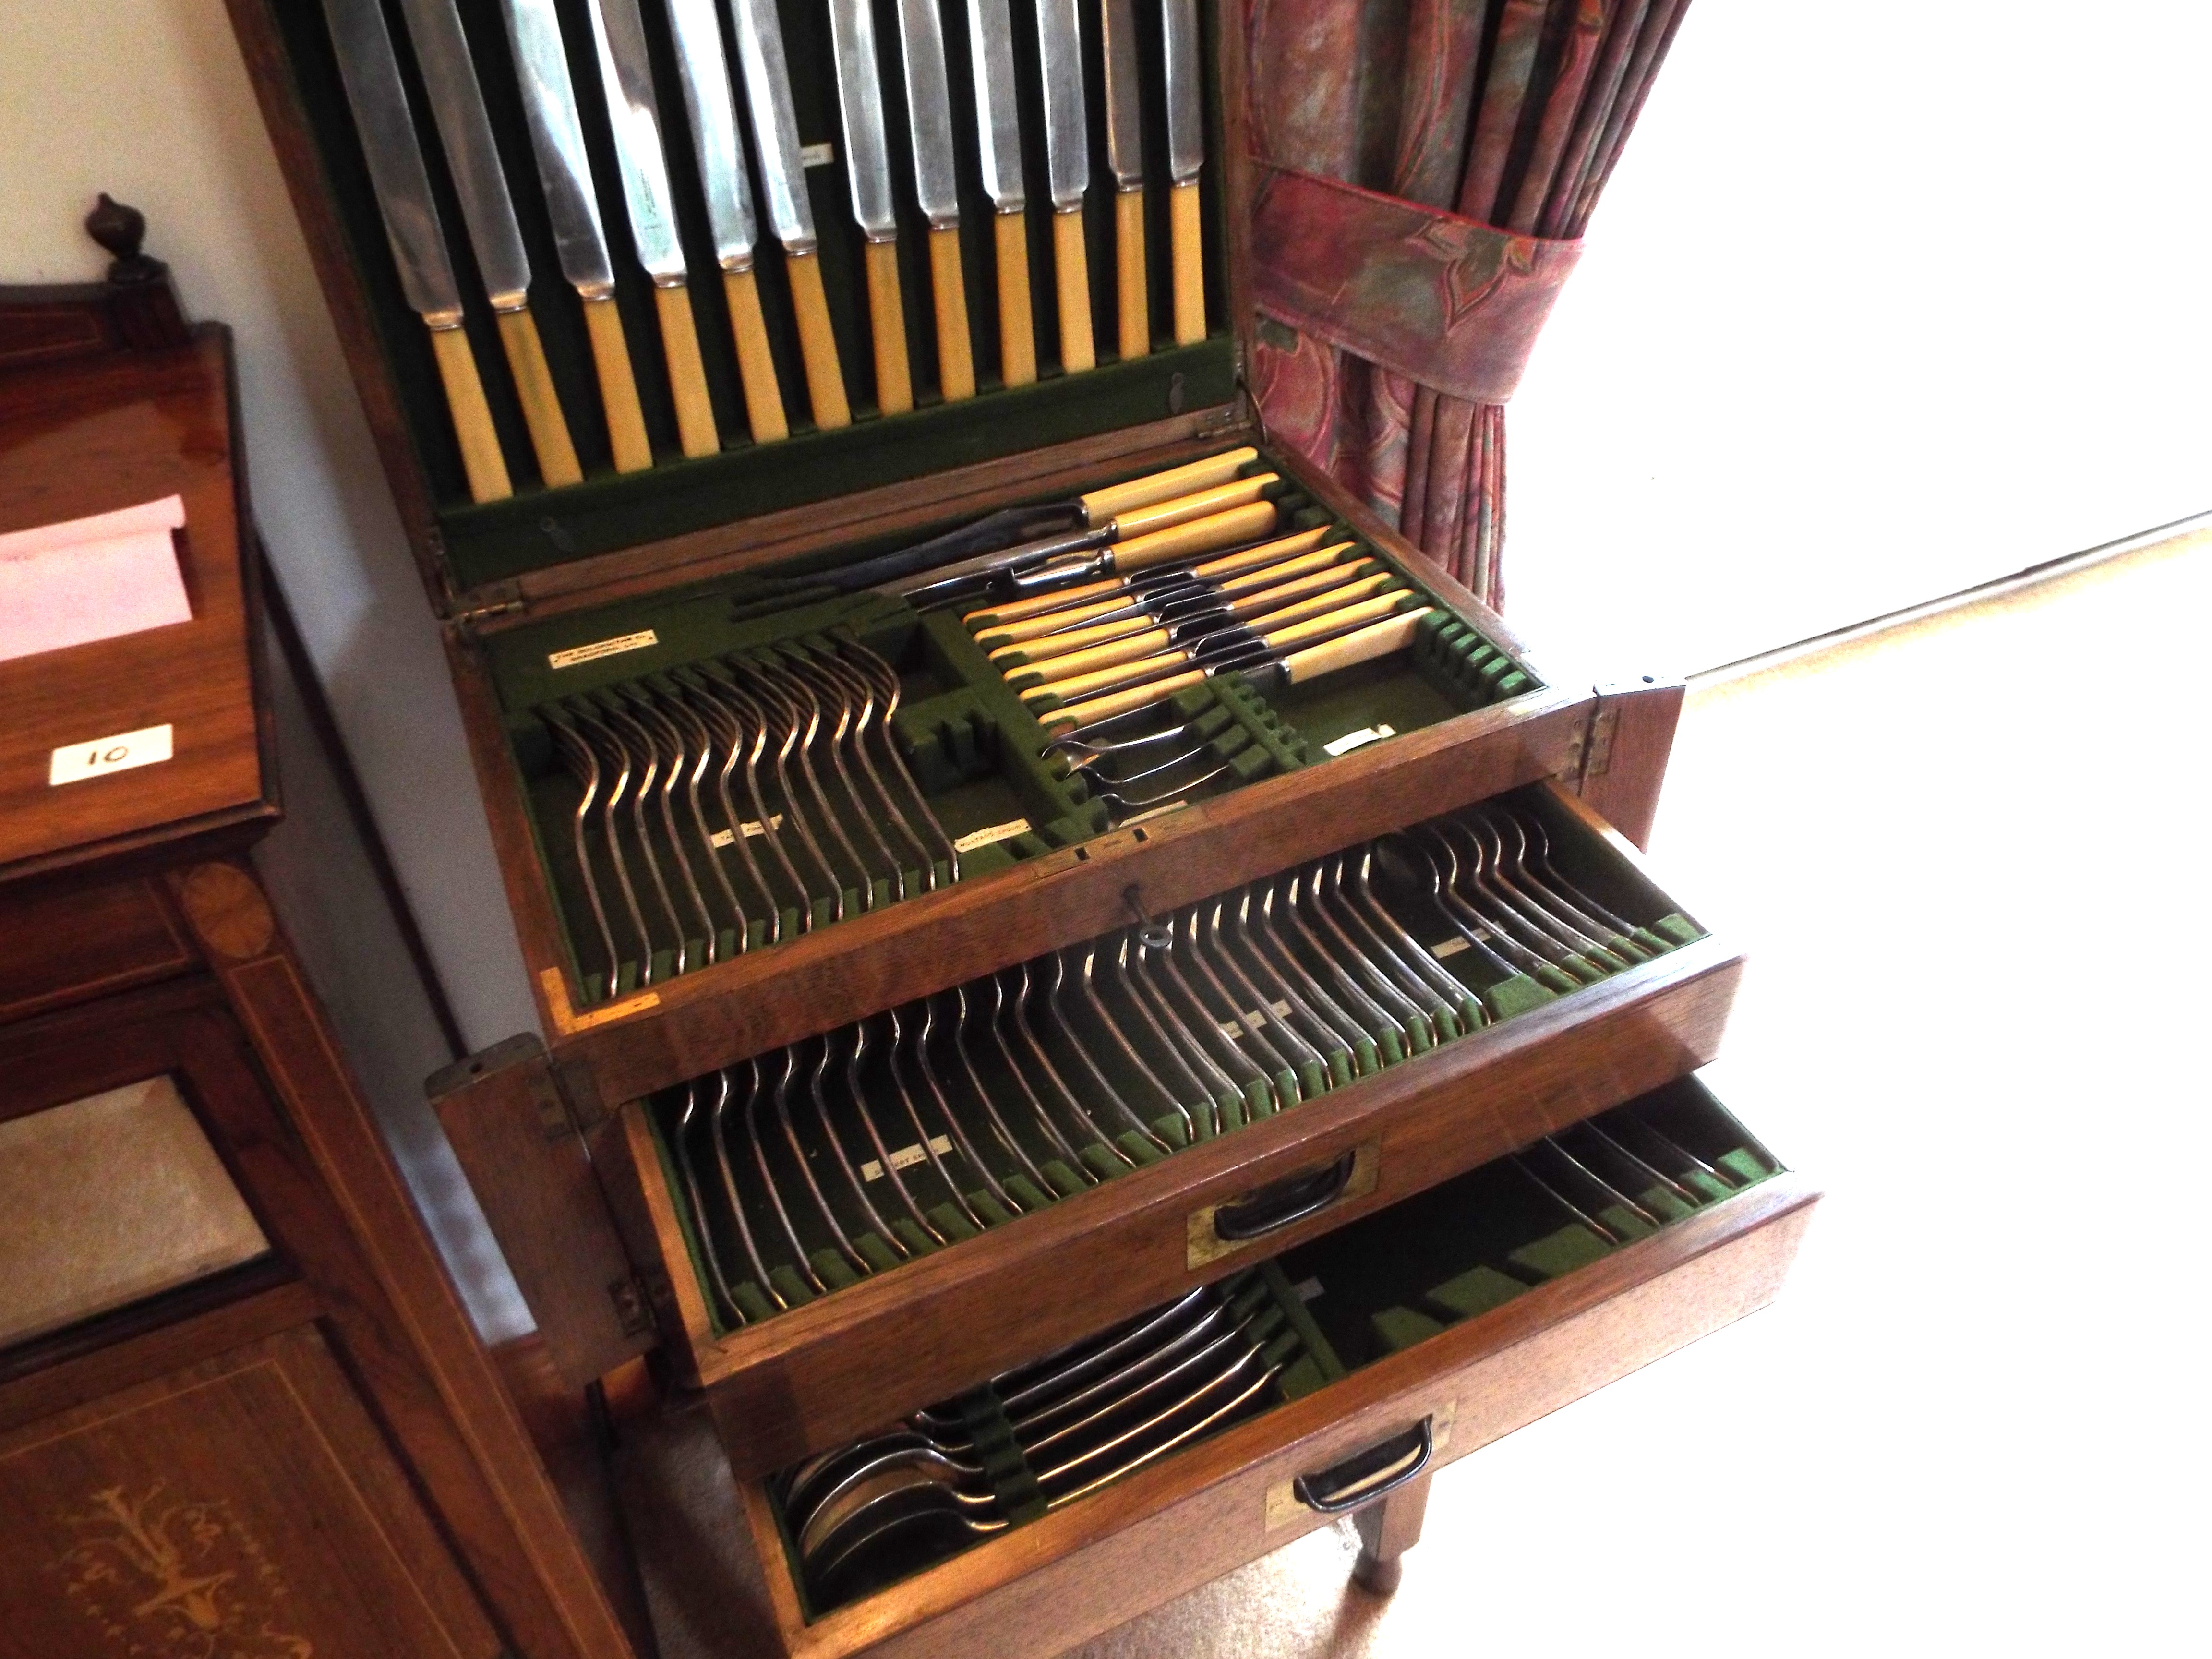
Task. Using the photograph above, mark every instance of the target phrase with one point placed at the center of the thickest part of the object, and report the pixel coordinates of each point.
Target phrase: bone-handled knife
(1068, 165)
(929, 119)
(626, 82)
(1125, 155)
(380, 115)
(868, 171)
(1186, 156)
(557, 139)
(790, 213)
(449, 78)
(697, 27)
(999, 134)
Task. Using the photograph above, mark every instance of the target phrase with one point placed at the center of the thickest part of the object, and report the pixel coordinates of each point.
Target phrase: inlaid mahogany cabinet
(242, 1410)
(741, 927)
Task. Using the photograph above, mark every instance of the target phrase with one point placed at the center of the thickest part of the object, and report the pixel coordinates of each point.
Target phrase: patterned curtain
(1425, 170)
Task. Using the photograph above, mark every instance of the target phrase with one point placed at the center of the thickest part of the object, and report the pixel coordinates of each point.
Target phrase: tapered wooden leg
(1387, 1531)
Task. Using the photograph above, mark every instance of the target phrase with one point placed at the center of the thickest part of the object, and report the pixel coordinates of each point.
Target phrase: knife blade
(626, 83)
(929, 122)
(1067, 166)
(790, 214)
(557, 139)
(1186, 156)
(386, 130)
(1125, 155)
(998, 135)
(868, 172)
(695, 25)
(449, 79)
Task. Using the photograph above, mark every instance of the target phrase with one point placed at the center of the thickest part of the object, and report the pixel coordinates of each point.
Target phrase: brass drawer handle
(1366, 1476)
(1282, 1202)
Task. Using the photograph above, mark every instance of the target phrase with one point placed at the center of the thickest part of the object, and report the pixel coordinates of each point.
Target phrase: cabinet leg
(1387, 1531)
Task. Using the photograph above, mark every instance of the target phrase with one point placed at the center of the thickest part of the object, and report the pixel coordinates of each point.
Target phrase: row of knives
(376, 89)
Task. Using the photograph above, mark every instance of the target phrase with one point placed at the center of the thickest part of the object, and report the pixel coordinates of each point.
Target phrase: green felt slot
(833, 1270)
(1559, 1252)
(1678, 928)
(993, 1213)
(753, 1300)
(1101, 1163)
(1171, 1129)
(1398, 1328)
(1025, 1192)
(911, 1234)
(1665, 1203)
(1706, 1182)
(1475, 1291)
(794, 1291)
(1745, 1163)
(948, 1220)
(1064, 1180)
(1623, 1223)
(1139, 1147)
(875, 1251)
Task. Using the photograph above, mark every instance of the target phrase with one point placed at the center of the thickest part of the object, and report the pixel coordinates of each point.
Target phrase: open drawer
(1441, 1322)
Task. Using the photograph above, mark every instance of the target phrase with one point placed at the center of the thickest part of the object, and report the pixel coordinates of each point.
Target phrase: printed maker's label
(906, 1157)
(598, 649)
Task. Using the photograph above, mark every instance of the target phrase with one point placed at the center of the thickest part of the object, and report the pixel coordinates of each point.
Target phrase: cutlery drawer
(818, 1271)
(1445, 1320)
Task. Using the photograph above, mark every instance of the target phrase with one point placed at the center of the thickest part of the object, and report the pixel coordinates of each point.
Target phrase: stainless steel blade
(775, 126)
(860, 108)
(697, 27)
(1067, 125)
(626, 79)
(549, 98)
(449, 77)
(1125, 133)
(1186, 109)
(928, 109)
(380, 116)
(998, 125)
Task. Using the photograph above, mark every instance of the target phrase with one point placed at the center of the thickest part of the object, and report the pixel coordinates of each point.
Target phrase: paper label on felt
(996, 832)
(91, 578)
(816, 156)
(598, 649)
(906, 1157)
(1360, 740)
(751, 828)
(1450, 947)
(1232, 1030)
(97, 757)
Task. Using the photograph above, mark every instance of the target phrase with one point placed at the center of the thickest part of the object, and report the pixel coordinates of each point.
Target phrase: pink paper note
(91, 578)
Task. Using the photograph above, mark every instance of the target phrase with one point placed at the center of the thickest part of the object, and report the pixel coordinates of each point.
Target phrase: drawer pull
(1284, 1201)
(1366, 1476)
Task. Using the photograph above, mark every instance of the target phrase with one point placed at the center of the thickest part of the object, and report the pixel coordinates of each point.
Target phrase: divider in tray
(802, 1172)
(709, 773)
(860, 1518)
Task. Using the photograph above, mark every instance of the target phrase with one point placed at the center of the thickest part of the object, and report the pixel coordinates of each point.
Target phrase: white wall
(1885, 300)
(148, 99)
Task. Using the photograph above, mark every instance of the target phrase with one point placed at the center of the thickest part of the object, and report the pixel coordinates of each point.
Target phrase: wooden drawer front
(244, 1506)
(1211, 1506)
(59, 945)
(798, 1381)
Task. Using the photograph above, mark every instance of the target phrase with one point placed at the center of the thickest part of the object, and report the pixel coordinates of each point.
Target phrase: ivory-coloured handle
(687, 374)
(1384, 639)
(633, 450)
(1050, 621)
(1105, 679)
(541, 405)
(955, 357)
(1136, 304)
(1071, 262)
(1076, 715)
(1143, 520)
(1099, 505)
(1281, 615)
(1351, 615)
(1275, 596)
(817, 346)
(1017, 328)
(1062, 669)
(1190, 266)
(465, 395)
(1020, 610)
(887, 330)
(1207, 535)
(1324, 558)
(1252, 557)
(756, 363)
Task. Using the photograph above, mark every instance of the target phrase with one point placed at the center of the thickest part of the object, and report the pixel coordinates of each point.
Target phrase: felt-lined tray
(973, 746)
(1396, 1280)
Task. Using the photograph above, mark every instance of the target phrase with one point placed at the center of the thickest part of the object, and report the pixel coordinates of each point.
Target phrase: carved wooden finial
(121, 229)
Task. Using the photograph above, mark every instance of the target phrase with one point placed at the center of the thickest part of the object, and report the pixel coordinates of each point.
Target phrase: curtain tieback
(1448, 301)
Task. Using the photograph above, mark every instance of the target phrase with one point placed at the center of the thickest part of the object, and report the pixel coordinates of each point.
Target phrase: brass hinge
(1599, 761)
(1228, 417)
(633, 1305)
(502, 598)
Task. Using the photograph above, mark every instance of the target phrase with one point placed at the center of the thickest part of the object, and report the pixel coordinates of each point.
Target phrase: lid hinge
(497, 599)
(633, 1304)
